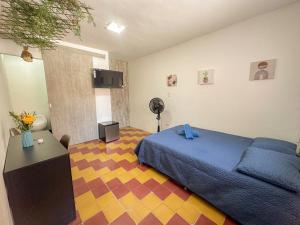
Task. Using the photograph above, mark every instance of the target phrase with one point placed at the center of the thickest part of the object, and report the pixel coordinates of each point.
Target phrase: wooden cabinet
(38, 182)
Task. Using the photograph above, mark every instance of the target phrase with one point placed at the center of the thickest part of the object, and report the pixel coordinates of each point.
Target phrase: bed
(207, 167)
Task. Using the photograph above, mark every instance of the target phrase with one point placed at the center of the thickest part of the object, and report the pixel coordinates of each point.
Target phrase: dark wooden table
(38, 182)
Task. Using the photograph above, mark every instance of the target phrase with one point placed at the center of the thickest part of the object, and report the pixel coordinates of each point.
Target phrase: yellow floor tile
(208, 210)
(89, 174)
(138, 213)
(136, 172)
(120, 171)
(124, 178)
(160, 178)
(106, 199)
(75, 173)
(129, 201)
(77, 156)
(90, 157)
(112, 211)
(151, 201)
(143, 178)
(163, 213)
(88, 211)
(102, 157)
(189, 213)
(84, 200)
(102, 171)
(108, 177)
(173, 202)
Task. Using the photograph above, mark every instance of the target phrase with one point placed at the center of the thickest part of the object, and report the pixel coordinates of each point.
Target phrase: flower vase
(27, 140)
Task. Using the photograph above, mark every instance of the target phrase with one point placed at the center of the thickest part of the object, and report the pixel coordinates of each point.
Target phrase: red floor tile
(112, 165)
(123, 220)
(132, 184)
(85, 150)
(150, 220)
(96, 164)
(99, 191)
(120, 191)
(78, 182)
(151, 184)
(141, 191)
(170, 185)
(127, 165)
(96, 151)
(114, 183)
(203, 220)
(143, 167)
(80, 190)
(183, 194)
(176, 219)
(97, 183)
(161, 192)
(98, 219)
(82, 164)
(229, 221)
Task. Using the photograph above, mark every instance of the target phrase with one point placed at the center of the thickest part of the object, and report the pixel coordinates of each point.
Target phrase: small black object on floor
(109, 131)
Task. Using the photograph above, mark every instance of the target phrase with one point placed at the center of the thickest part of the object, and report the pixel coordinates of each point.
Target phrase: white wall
(233, 104)
(5, 124)
(26, 84)
(103, 96)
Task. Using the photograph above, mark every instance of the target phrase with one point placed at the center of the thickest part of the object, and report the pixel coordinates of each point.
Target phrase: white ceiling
(153, 25)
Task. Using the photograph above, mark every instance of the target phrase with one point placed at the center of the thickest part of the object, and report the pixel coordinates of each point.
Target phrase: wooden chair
(14, 132)
(65, 141)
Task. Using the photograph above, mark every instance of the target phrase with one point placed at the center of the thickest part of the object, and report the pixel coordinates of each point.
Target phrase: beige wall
(5, 124)
(26, 84)
(233, 104)
(120, 96)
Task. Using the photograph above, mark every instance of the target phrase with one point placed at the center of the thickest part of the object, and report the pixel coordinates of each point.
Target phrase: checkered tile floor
(110, 187)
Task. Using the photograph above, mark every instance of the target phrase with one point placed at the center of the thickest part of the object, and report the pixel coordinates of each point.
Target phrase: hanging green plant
(39, 23)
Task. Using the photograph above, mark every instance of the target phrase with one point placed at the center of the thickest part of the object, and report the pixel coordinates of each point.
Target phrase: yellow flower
(28, 119)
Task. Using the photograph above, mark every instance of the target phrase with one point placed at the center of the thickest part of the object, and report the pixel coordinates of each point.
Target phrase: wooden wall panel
(70, 92)
(120, 97)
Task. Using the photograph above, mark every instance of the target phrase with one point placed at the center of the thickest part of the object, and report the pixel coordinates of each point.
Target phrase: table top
(108, 123)
(17, 157)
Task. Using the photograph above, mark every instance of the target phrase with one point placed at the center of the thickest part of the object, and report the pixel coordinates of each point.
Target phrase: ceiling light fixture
(114, 27)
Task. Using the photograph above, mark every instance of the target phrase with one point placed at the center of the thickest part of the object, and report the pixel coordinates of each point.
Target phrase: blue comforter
(207, 166)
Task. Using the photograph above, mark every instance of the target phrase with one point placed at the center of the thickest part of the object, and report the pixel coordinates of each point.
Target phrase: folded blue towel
(188, 132)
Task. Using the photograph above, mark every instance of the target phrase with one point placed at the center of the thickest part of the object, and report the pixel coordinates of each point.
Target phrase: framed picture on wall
(205, 77)
(262, 70)
(172, 80)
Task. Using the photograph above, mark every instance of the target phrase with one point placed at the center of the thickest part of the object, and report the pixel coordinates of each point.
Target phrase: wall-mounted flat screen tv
(107, 79)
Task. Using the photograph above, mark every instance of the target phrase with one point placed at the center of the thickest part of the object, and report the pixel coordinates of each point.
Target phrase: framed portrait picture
(263, 70)
(205, 77)
(172, 80)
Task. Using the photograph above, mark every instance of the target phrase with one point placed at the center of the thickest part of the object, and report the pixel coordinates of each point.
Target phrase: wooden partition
(71, 95)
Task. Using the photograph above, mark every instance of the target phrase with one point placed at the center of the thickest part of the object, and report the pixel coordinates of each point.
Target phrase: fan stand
(158, 124)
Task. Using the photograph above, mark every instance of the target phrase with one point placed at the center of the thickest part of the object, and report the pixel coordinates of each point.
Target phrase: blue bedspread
(207, 166)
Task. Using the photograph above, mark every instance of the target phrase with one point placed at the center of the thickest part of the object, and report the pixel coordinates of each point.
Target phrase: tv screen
(107, 79)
